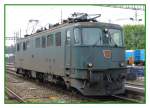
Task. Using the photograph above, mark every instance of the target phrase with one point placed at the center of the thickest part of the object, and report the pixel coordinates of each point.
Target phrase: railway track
(135, 88)
(133, 84)
(13, 95)
(130, 88)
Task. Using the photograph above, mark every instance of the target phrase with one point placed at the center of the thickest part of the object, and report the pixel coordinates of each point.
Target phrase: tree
(134, 36)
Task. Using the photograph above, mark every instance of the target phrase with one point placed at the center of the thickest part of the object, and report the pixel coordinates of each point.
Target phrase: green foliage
(134, 36)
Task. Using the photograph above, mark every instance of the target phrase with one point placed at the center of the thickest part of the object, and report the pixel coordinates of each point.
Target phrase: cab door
(68, 51)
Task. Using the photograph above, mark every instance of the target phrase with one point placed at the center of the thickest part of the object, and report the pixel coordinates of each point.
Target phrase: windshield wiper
(115, 45)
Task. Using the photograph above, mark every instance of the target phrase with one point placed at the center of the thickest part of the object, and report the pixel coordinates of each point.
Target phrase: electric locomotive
(81, 53)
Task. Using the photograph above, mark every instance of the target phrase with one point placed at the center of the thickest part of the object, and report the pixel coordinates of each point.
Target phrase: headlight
(90, 65)
(122, 64)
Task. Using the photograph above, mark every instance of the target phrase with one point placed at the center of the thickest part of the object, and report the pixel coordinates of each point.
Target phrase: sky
(17, 17)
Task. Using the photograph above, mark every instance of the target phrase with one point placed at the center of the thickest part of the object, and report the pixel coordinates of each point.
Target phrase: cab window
(27, 44)
(77, 36)
(91, 36)
(68, 37)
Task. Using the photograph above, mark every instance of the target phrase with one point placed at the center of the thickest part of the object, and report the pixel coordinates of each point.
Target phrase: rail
(11, 93)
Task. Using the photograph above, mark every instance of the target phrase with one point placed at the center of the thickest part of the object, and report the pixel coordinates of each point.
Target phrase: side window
(68, 37)
(24, 46)
(43, 42)
(27, 44)
(58, 39)
(77, 36)
(18, 47)
(37, 42)
(50, 39)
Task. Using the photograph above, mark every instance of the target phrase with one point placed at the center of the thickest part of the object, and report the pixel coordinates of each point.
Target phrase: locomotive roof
(78, 24)
(98, 24)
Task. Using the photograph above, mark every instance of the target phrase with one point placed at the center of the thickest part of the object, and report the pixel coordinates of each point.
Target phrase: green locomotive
(81, 53)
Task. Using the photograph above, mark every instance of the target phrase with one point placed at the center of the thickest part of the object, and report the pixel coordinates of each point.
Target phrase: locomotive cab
(95, 60)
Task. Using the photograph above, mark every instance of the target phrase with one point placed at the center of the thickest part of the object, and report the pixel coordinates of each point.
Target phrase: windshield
(115, 37)
(91, 36)
(95, 36)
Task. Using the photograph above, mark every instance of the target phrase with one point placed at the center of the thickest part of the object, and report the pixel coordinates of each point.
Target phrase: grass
(78, 101)
(10, 101)
(63, 101)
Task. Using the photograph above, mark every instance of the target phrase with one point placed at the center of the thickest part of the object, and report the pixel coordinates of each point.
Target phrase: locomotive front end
(98, 60)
